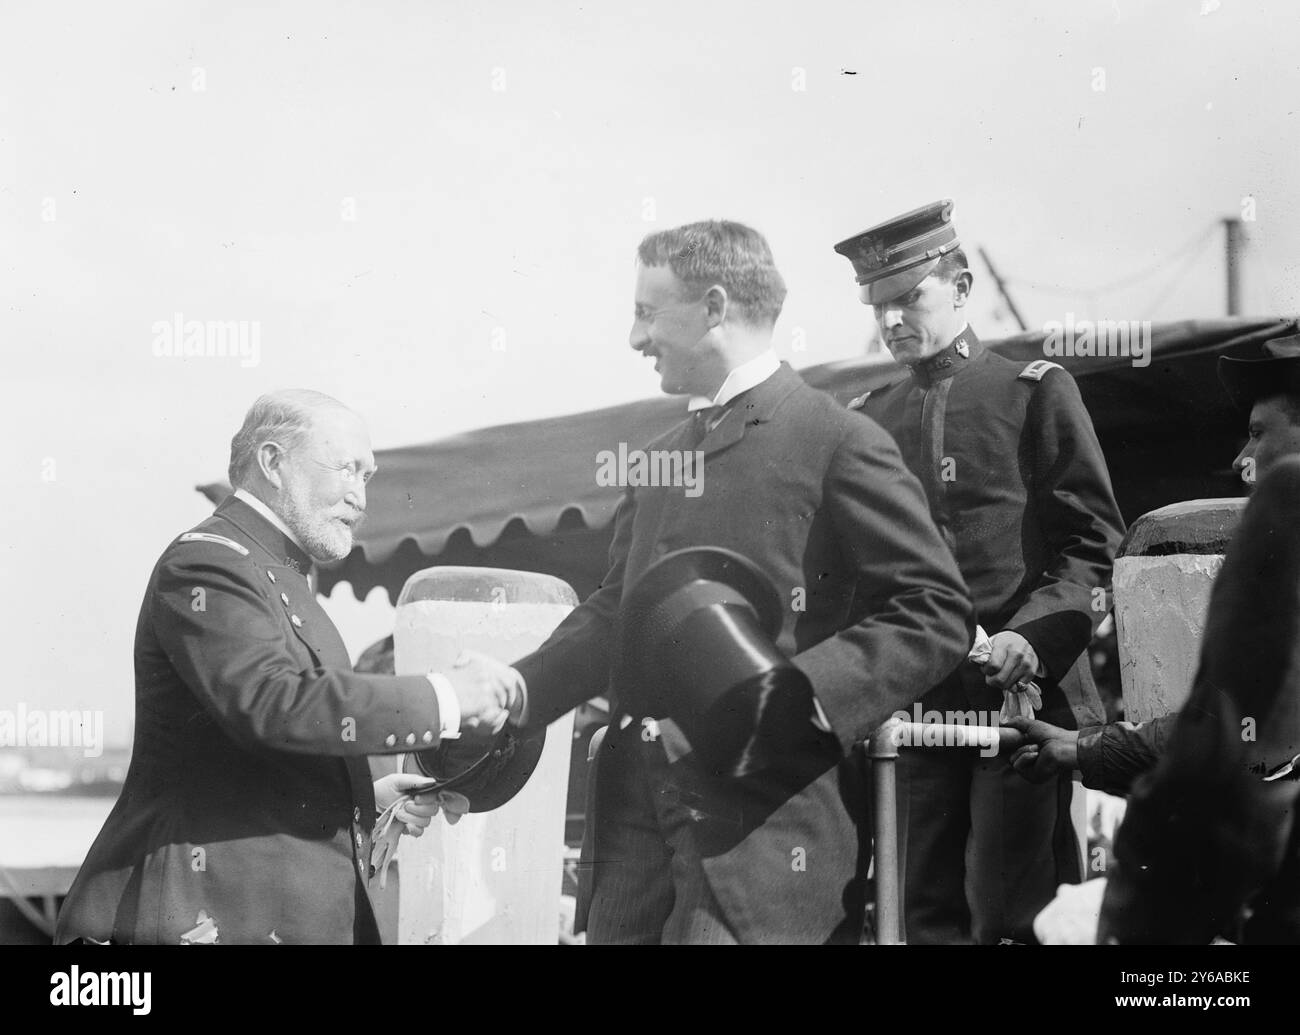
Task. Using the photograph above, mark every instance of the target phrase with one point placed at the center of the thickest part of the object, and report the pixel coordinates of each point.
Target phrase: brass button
(390, 740)
(296, 620)
(284, 599)
(428, 736)
(271, 575)
(410, 739)
(356, 814)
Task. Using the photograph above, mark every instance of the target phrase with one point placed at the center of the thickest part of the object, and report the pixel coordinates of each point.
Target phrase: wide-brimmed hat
(1262, 371)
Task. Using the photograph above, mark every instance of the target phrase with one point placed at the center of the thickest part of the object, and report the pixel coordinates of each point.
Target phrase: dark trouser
(982, 848)
(648, 886)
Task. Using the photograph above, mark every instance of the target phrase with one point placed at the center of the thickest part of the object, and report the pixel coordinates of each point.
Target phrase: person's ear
(715, 305)
(961, 286)
(270, 461)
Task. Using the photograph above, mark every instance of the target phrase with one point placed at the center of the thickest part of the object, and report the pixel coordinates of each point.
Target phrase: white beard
(322, 537)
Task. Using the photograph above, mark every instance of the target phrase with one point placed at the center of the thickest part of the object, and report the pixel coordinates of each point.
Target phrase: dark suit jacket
(1018, 483)
(1208, 846)
(819, 498)
(248, 795)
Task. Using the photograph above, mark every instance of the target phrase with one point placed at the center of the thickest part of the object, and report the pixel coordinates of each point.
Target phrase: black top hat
(893, 257)
(697, 646)
(489, 776)
(1272, 370)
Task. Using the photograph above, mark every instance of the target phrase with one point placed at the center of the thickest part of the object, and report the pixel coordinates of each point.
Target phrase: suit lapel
(750, 408)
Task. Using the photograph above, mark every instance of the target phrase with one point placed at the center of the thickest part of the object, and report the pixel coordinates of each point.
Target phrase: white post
(494, 877)
(1162, 581)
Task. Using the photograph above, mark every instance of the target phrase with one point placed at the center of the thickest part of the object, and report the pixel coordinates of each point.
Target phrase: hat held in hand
(697, 645)
(490, 774)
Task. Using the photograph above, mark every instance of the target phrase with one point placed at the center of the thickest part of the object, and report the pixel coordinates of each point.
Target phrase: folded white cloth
(1023, 698)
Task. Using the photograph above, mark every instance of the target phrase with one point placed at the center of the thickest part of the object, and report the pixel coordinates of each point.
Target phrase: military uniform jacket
(818, 498)
(1018, 486)
(248, 798)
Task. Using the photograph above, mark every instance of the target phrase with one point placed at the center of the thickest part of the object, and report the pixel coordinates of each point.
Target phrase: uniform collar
(748, 375)
(960, 353)
(268, 528)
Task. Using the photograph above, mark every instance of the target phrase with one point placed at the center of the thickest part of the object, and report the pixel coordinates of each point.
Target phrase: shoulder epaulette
(208, 537)
(1038, 369)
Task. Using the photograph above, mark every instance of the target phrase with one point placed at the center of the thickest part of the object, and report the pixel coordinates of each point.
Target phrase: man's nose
(638, 337)
(893, 317)
(356, 496)
(1245, 460)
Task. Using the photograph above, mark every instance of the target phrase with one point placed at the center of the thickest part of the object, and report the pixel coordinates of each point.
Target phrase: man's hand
(400, 814)
(1049, 752)
(414, 813)
(1071, 918)
(486, 690)
(1013, 661)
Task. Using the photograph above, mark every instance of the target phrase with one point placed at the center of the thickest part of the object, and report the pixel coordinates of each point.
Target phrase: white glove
(1018, 702)
(412, 815)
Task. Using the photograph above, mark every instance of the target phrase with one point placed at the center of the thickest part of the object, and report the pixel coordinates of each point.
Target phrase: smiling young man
(1018, 486)
(819, 499)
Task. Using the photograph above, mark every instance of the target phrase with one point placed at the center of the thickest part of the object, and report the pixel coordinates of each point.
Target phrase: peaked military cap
(893, 257)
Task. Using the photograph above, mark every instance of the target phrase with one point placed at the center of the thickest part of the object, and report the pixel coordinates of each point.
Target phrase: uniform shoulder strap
(210, 537)
(1038, 369)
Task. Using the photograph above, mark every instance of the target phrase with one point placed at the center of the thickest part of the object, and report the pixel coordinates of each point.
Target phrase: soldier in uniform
(247, 810)
(1018, 486)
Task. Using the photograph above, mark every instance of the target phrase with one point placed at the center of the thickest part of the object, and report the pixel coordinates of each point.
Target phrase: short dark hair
(718, 251)
(951, 264)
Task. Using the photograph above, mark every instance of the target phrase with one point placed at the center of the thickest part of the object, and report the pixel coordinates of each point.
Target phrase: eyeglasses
(350, 473)
(642, 315)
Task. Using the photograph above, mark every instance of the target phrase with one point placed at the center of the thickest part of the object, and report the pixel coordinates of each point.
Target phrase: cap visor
(886, 289)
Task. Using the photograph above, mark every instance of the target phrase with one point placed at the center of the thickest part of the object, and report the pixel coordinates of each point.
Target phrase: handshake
(489, 693)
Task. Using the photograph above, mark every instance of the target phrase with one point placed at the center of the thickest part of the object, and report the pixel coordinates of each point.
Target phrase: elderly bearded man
(247, 809)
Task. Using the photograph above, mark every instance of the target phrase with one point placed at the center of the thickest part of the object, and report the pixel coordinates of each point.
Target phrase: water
(49, 831)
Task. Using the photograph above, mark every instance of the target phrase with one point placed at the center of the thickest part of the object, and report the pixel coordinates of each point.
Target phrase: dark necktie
(703, 421)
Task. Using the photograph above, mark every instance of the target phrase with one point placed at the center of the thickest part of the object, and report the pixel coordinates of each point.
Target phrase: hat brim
(886, 289)
(1247, 381)
(487, 776)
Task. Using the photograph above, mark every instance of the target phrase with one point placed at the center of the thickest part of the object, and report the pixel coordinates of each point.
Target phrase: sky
(431, 211)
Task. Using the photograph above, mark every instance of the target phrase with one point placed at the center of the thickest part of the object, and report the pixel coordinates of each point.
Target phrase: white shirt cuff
(820, 720)
(448, 706)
